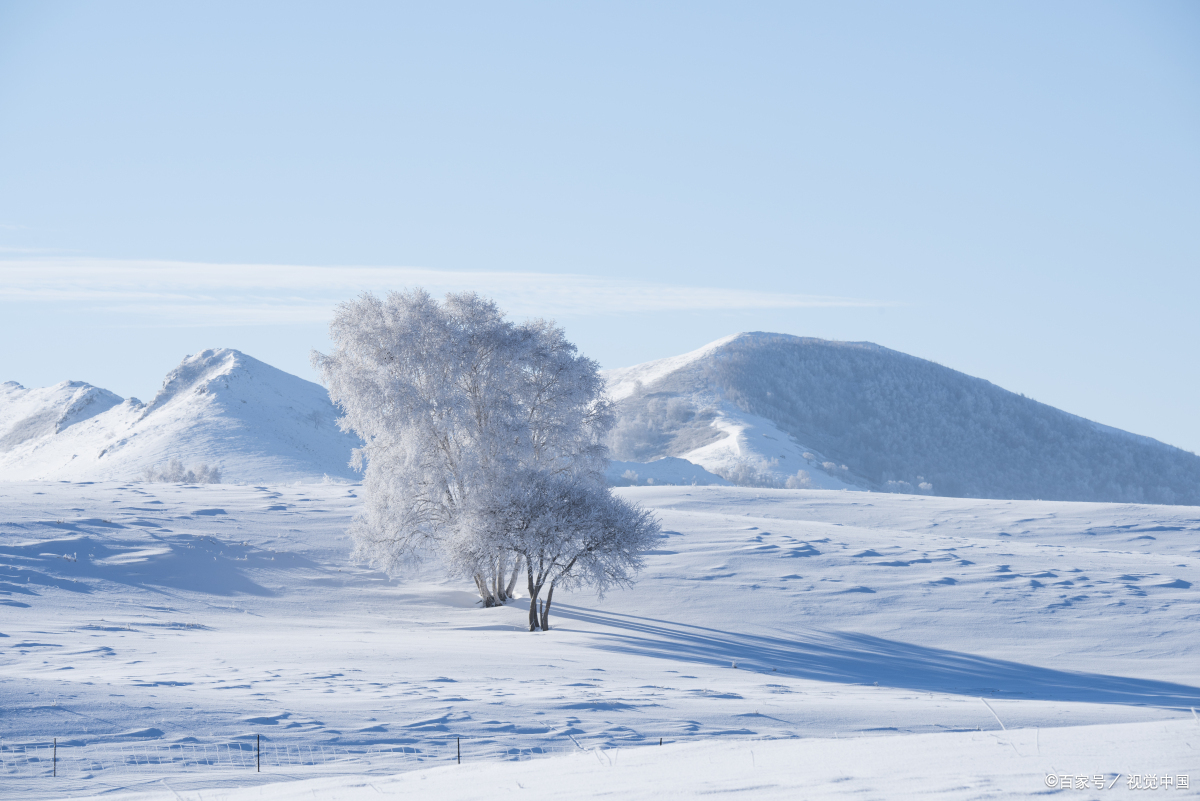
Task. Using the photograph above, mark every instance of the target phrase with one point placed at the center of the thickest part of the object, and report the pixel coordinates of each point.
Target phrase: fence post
(258, 753)
(458, 740)
(56, 757)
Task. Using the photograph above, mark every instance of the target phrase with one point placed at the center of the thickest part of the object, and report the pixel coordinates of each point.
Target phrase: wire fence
(77, 761)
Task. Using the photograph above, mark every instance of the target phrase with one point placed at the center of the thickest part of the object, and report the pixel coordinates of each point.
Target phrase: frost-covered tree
(568, 532)
(452, 401)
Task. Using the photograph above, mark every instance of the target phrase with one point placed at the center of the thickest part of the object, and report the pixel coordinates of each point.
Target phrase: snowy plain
(781, 643)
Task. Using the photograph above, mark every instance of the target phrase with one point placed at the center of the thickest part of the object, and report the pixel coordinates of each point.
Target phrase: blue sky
(1009, 189)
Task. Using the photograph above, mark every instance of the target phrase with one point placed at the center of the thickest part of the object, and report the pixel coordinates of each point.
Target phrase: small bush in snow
(802, 480)
(751, 472)
(173, 472)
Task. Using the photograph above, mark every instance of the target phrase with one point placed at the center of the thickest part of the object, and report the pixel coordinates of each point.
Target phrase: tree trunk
(498, 590)
(533, 610)
(534, 589)
(512, 582)
(484, 592)
(546, 609)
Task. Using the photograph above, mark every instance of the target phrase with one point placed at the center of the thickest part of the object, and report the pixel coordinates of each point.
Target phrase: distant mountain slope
(30, 414)
(761, 406)
(220, 407)
(665, 472)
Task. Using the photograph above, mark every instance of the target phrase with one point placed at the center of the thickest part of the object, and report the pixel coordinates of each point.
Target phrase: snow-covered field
(887, 637)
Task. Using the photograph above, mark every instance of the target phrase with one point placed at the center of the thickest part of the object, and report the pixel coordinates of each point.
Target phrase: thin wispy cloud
(191, 293)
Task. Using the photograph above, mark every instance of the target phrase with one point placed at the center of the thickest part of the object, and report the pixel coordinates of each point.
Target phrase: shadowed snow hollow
(220, 407)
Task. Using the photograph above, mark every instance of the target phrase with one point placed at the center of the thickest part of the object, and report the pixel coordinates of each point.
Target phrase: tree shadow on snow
(174, 561)
(851, 658)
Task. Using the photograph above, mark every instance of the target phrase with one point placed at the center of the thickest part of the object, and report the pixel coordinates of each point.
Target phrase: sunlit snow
(886, 631)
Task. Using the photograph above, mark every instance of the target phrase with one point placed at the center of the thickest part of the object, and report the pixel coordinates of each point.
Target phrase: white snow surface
(219, 407)
(667, 471)
(782, 643)
(625, 381)
(985, 764)
(738, 437)
(757, 440)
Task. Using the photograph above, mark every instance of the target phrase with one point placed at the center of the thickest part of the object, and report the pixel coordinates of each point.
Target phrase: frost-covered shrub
(752, 472)
(173, 472)
(656, 426)
(763, 473)
(802, 480)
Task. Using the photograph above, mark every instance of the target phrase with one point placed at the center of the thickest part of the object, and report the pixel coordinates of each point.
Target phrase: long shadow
(154, 561)
(850, 658)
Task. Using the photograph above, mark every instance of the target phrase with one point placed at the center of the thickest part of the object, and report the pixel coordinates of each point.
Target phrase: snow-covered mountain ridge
(759, 407)
(756, 409)
(220, 407)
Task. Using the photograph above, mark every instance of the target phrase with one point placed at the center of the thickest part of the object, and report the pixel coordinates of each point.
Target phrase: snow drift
(220, 407)
(759, 408)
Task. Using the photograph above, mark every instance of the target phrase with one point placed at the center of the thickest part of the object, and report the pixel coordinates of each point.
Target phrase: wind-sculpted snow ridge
(248, 420)
(759, 408)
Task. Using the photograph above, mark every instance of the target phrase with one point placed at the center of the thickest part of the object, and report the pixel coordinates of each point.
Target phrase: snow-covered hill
(758, 408)
(766, 410)
(220, 407)
(667, 471)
